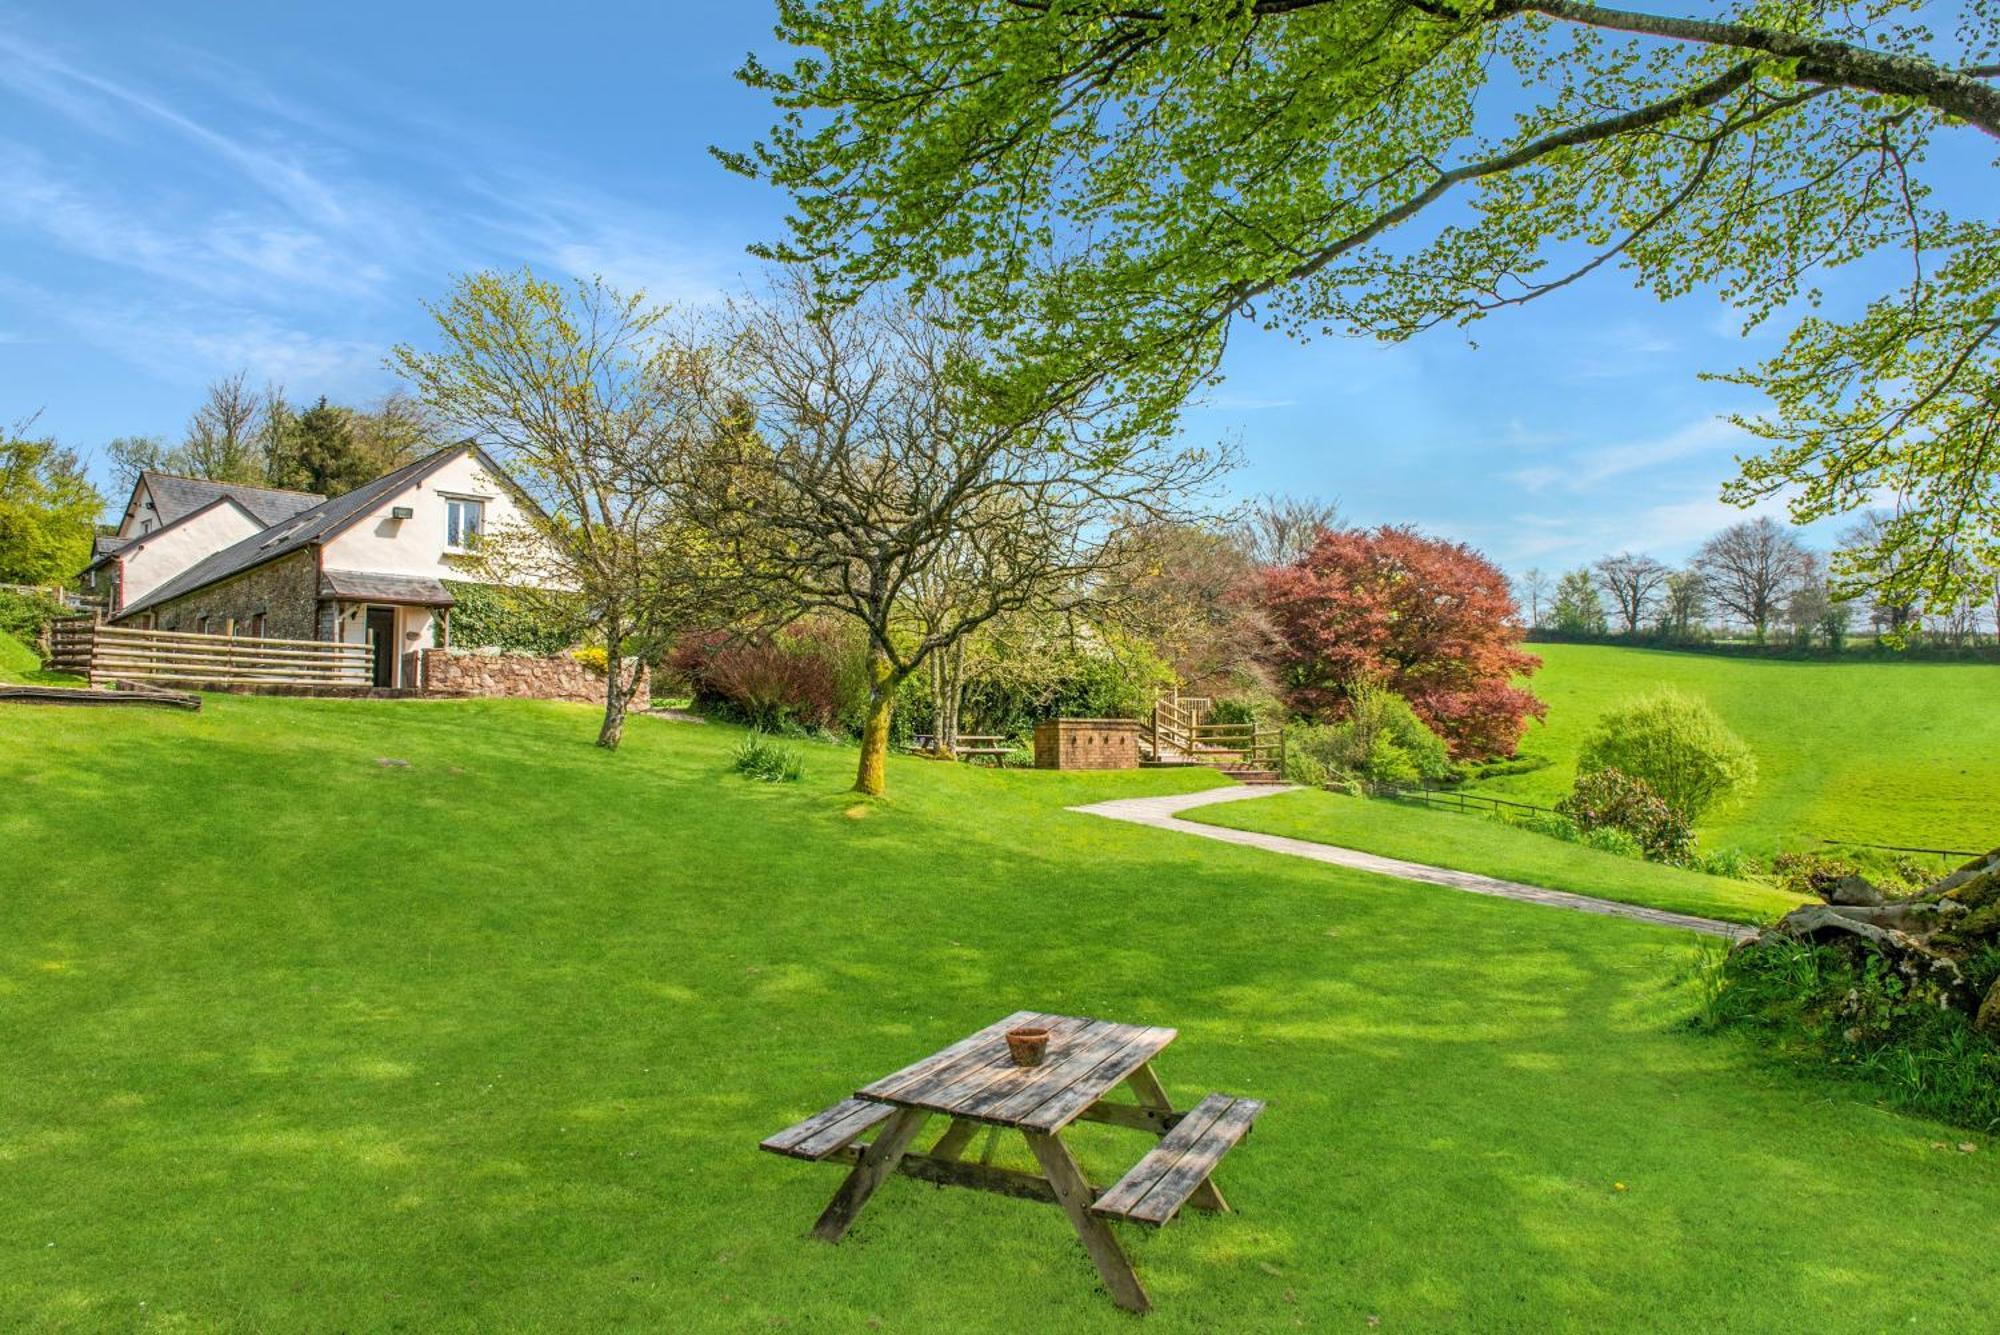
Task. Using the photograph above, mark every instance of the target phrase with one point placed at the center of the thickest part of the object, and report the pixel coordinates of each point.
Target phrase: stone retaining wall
(1087, 743)
(513, 676)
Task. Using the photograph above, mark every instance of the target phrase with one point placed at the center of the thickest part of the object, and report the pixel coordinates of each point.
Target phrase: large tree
(1430, 620)
(1116, 184)
(1634, 584)
(1750, 569)
(882, 448)
(600, 409)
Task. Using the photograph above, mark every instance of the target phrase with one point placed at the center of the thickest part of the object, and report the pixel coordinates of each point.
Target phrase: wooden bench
(825, 1134)
(1159, 1184)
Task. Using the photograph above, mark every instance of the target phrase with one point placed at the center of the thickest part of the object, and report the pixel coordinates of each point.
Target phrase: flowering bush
(808, 675)
(1607, 799)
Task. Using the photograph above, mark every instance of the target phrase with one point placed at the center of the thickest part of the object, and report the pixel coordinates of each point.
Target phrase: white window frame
(454, 509)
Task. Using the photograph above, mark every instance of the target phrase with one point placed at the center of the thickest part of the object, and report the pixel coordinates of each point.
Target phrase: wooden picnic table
(975, 1084)
(969, 746)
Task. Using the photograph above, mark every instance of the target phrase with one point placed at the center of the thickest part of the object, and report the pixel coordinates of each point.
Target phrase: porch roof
(368, 586)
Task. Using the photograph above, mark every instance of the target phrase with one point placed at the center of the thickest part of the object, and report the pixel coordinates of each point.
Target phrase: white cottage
(366, 567)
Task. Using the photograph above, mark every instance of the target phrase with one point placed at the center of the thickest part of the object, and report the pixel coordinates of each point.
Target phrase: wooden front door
(382, 636)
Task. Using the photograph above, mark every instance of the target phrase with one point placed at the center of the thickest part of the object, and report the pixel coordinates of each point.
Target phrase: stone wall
(286, 591)
(1087, 743)
(512, 676)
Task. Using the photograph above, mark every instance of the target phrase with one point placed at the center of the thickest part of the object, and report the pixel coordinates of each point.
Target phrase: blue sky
(194, 188)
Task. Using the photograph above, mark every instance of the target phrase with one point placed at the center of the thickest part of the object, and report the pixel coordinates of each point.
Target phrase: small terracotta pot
(1027, 1046)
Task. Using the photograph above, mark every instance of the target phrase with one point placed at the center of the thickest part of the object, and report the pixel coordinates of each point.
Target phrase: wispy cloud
(1584, 470)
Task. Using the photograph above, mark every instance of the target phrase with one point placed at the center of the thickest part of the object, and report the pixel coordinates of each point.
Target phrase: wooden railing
(125, 653)
(1179, 734)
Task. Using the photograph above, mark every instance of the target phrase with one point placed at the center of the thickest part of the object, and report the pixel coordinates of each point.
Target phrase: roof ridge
(219, 482)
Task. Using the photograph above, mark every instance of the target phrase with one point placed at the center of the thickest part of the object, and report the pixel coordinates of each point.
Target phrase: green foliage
(316, 450)
(1116, 186)
(1607, 799)
(1096, 676)
(1812, 874)
(1577, 609)
(1862, 1019)
(758, 757)
(26, 615)
(491, 616)
(1678, 746)
(1381, 740)
(48, 510)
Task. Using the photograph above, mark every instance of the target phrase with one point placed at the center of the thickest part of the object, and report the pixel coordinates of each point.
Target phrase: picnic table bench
(976, 1084)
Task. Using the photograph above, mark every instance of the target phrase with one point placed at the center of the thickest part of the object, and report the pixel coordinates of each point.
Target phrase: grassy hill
(1886, 752)
(17, 660)
(297, 1039)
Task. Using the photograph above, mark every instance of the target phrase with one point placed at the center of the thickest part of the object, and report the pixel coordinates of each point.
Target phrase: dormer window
(464, 521)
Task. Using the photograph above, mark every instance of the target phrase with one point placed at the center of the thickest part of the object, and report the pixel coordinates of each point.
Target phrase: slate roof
(419, 589)
(301, 530)
(174, 496)
(105, 544)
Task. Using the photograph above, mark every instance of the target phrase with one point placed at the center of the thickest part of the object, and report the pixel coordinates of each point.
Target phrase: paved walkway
(1163, 813)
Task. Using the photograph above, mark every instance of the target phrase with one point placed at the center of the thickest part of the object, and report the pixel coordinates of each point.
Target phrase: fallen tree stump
(1929, 937)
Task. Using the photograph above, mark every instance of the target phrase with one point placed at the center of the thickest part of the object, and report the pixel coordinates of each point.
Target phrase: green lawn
(1885, 752)
(293, 1040)
(1477, 844)
(17, 661)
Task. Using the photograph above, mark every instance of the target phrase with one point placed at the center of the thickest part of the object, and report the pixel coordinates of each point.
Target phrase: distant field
(1901, 753)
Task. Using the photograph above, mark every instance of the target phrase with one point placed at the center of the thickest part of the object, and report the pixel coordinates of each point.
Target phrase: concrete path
(1163, 813)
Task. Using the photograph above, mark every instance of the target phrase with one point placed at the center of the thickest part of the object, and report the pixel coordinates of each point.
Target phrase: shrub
(594, 657)
(1731, 862)
(1805, 873)
(758, 757)
(809, 675)
(26, 615)
(1610, 839)
(1382, 740)
(1607, 799)
(1678, 746)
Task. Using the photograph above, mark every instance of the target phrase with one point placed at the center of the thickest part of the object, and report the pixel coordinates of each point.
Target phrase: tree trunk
(872, 776)
(947, 689)
(615, 697)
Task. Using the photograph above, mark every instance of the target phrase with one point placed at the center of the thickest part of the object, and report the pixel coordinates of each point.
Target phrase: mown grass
(292, 1039)
(1477, 844)
(1883, 752)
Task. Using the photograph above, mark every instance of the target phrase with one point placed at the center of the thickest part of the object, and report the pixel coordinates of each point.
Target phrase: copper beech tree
(1429, 619)
(874, 457)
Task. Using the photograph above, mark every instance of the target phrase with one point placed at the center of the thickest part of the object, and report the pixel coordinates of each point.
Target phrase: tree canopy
(1112, 185)
(47, 508)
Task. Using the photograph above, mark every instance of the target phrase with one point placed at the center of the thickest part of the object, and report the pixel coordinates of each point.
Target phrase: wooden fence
(124, 653)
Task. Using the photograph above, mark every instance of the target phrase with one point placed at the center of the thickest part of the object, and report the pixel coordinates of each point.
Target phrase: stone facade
(286, 591)
(514, 676)
(1087, 743)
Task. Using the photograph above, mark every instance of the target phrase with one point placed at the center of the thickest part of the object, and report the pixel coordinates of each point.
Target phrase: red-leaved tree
(1431, 620)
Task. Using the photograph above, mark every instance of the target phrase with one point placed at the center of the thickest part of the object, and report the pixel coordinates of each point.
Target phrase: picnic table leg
(1152, 1094)
(954, 1139)
(878, 1162)
(1073, 1191)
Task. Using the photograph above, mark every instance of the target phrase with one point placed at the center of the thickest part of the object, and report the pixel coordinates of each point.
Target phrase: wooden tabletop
(975, 1078)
